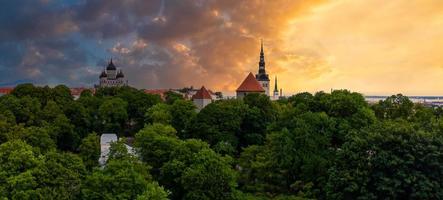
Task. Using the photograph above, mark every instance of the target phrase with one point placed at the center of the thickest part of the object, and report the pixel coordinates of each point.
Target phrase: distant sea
(428, 100)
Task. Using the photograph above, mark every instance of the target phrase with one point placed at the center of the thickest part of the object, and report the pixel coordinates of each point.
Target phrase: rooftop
(202, 94)
(250, 84)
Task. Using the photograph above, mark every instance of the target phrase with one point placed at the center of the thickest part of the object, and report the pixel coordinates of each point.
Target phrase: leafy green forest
(307, 146)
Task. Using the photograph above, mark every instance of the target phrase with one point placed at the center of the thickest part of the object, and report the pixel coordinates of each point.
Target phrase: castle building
(262, 77)
(111, 77)
(249, 85)
(202, 98)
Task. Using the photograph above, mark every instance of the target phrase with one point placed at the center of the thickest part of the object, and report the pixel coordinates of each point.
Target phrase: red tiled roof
(6, 90)
(161, 92)
(202, 94)
(250, 84)
(78, 91)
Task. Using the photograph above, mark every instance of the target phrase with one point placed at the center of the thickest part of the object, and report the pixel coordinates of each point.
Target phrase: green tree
(120, 179)
(26, 89)
(63, 131)
(50, 111)
(159, 113)
(90, 150)
(25, 174)
(59, 176)
(61, 95)
(155, 144)
(260, 114)
(389, 160)
(17, 160)
(138, 103)
(86, 93)
(192, 157)
(25, 109)
(172, 96)
(209, 177)
(37, 137)
(7, 121)
(294, 159)
(182, 113)
(394, 107)
(219, 122)
(79, 116)
(91, 105)
(113, 115)
(154, 192)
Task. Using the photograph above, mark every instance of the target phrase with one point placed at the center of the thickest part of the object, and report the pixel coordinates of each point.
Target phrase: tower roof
(250, 84)
(202, 94)
(120, 74)
(103, 74)
(111, 66)
(262, 76)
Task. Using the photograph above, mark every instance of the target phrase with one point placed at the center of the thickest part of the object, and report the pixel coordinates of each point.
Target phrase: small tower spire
(275, 88)
(261, 51)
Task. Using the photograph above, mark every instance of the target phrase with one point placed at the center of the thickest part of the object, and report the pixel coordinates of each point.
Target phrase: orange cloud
(375, 47)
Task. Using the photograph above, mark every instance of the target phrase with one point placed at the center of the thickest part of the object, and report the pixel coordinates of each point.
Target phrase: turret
(103, 75)
(120, 74)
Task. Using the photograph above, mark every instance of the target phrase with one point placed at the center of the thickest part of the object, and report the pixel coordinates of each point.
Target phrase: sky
(375, 47)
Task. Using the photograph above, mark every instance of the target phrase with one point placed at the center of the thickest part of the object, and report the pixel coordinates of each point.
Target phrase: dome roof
(111, 66)
(103, 74)
(120, 74)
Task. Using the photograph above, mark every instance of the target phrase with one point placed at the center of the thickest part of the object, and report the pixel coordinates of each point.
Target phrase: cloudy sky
(373, 47)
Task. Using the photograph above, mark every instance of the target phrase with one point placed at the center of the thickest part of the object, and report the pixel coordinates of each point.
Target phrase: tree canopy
(307, 146)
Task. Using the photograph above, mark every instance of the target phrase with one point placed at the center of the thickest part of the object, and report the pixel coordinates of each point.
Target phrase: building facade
(111, 77)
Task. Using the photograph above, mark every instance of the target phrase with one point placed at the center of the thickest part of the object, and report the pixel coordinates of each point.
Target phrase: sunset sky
(375, 47)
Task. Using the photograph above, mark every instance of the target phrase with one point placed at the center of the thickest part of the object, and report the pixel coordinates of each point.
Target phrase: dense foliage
(308, 146)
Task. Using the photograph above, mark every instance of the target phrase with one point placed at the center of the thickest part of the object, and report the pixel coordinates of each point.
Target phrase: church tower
(262, 77)
(111, 77)
(276, 93)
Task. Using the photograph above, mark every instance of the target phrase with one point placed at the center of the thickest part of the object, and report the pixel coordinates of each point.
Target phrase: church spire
(261, 52)
(262, 76)
(262, 64)
(275, 85)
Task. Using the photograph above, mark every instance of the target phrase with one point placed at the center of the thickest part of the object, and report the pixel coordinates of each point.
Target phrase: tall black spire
(275, 86)
(262, 76)
(262, 64)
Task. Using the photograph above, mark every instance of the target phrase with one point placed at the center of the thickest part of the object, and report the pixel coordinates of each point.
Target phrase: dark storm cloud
(32, 19)
(159, 43)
